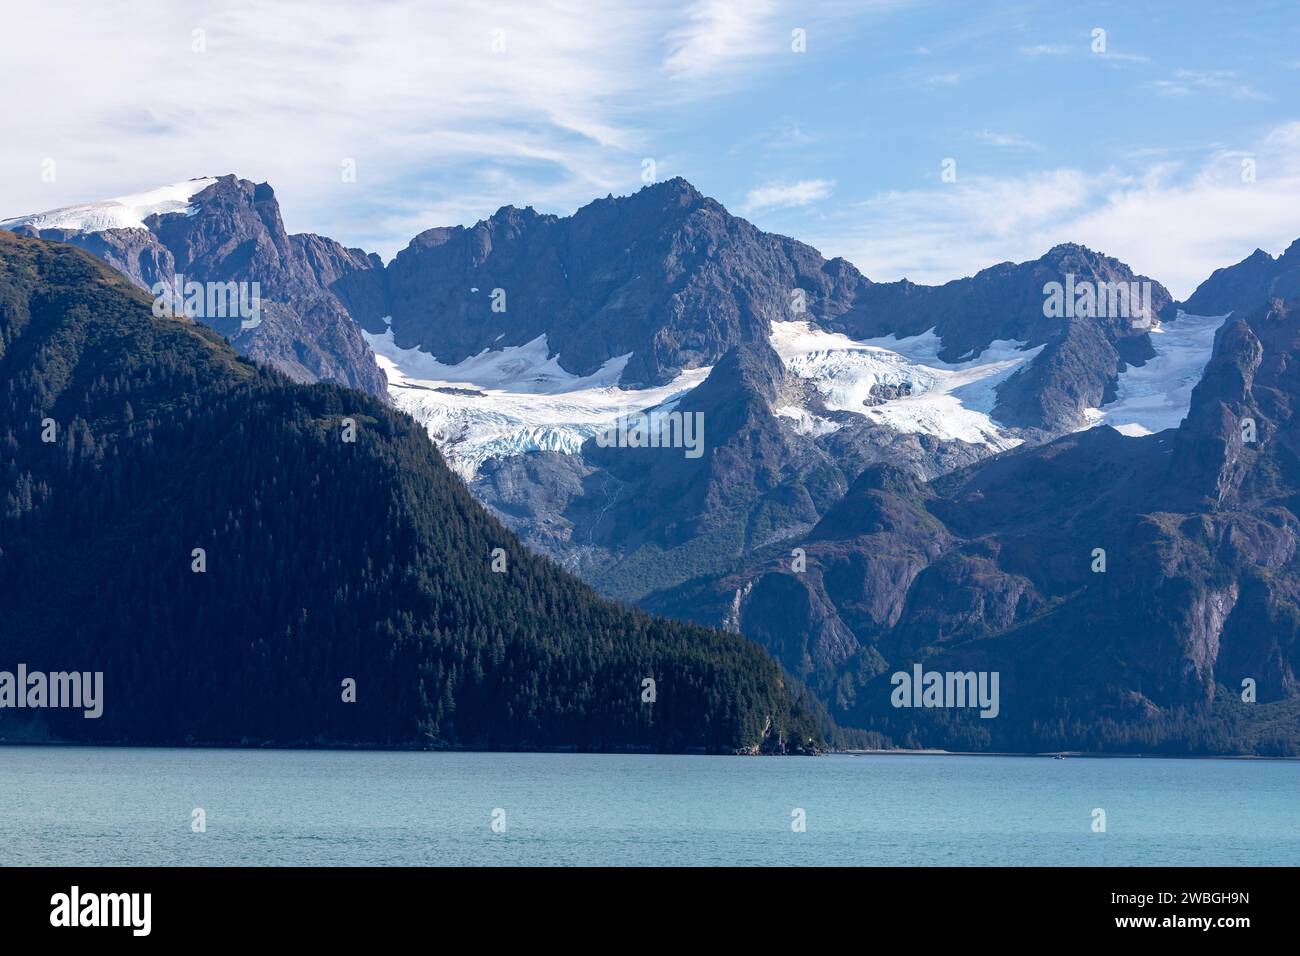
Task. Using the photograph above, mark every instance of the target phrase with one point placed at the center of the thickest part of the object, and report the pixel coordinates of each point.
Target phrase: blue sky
(452, 112)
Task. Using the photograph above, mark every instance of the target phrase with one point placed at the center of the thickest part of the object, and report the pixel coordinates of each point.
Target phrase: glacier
(949, 401)
(123, 212)
(1155, 396)
(503, 402)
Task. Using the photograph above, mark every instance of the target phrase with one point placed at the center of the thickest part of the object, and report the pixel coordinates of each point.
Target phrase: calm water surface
(113, 806)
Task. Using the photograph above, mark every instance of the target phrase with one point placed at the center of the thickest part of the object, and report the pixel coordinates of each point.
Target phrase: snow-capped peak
(123, 212)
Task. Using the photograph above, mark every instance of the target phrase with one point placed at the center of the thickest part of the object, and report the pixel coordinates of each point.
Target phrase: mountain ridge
(231, 231)
(364, 560)
(1124, 588)
(913, 546)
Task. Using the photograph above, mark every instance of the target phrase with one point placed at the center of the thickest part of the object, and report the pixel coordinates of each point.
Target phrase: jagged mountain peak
(677, 186)
(676, 190)
(663, 197)
(657, 208)
(224, 229)
(131, 211)
(512, 214)
(1255, 281)
(1072, 255)
(665, 276)
(1063, 250)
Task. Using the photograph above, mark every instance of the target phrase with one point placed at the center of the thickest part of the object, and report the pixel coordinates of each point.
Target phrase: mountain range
(894, 474)
(229, 230)
(248, 560)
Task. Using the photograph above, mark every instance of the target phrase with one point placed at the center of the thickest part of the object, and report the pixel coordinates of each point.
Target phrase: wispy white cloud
(1171, 221)
(1086, 44)
(1116, 56)
(785, 195)
(719, 34)
(713, 39)
(445, 125)
(943, 79)
(1045, 49)
(788, 136)
(1186, 82)
(450, 109)
(1008, 140)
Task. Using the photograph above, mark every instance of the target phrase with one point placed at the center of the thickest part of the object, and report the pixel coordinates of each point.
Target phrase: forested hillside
(203, 532)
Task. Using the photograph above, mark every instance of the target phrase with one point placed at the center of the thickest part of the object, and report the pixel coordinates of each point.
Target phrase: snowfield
(949, 401)
(505, 402)
(1157, 395)
(124, 212)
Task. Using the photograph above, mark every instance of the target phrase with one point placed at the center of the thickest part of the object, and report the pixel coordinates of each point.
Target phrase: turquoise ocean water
(117, 806)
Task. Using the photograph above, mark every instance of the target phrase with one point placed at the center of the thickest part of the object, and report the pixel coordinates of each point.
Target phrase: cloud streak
(787, 195)
(448, 110)
(719, 34)
(454, 109)
(1008, 140)
(1186, 82)
(1174, 223)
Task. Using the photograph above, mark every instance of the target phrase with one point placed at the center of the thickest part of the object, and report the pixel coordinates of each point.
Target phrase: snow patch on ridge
(124, 212)
(1157, 395)
(949, 401)
(505, 402)
(805, 423)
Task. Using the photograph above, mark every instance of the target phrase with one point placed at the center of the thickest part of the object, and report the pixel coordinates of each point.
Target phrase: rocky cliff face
(635, 520)
(667, 275)
(856, 504)
(666, 280)
(233, 233)
(1257, 280)
(1082, 354)
(1124, 588)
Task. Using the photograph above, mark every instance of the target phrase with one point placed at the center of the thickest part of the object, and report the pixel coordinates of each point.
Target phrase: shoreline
(1050, 754)
(847, 752)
